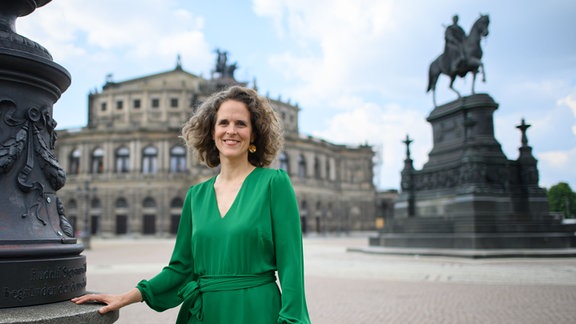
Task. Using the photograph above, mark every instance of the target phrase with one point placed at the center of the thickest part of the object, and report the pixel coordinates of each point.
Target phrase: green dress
(223, 269)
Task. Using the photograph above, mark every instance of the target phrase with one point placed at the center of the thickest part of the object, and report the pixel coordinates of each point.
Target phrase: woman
(238, 229)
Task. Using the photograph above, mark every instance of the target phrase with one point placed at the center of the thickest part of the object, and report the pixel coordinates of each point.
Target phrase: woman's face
(233, 130)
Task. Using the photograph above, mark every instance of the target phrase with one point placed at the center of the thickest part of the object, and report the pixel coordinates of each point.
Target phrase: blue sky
(357, 69)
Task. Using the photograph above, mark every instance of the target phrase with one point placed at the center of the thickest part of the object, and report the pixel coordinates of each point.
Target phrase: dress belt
(191, 293)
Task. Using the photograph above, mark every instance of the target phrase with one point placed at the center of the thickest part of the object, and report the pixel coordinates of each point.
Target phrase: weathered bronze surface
(462, 55)
(40, 259)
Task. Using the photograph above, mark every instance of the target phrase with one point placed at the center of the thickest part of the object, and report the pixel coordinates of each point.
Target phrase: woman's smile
(233, 129)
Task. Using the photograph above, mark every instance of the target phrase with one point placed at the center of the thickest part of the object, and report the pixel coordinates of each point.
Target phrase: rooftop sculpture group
(226, 70)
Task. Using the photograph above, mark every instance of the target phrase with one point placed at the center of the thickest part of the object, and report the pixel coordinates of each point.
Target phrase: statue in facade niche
(462, 54)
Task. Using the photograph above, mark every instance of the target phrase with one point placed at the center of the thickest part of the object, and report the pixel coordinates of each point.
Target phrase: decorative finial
(407, 141)
(523, 127)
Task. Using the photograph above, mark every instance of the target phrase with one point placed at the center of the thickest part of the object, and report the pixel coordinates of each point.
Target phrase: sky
(358, 69)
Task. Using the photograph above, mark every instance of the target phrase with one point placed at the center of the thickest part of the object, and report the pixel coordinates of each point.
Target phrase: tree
(562, 199)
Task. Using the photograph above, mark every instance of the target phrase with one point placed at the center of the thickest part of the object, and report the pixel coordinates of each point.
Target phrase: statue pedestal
(469, 195)
(57, 313)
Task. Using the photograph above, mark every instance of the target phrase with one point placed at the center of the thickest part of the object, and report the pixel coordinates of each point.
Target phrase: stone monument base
(57, 313)
(469, 199)
(468, 253)
(483, 241)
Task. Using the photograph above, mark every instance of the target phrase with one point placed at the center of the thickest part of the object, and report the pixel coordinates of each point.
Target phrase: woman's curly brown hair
(266, 127)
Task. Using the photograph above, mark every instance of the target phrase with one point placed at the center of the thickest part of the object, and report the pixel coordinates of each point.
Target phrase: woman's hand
(113, 302)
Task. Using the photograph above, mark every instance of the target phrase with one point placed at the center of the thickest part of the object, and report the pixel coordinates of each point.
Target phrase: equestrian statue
(462, 54)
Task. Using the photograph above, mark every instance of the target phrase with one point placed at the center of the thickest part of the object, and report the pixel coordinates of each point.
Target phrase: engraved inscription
(43, 281)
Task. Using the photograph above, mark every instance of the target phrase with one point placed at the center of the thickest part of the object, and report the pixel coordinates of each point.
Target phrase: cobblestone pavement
(352, 287)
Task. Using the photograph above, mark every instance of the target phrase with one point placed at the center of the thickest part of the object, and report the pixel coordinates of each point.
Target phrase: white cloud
(384, 128)
(335, 44)
(540, 88)
(570, 102)
(272, 9)
(96, 30)
(558, 166)
(556, 159)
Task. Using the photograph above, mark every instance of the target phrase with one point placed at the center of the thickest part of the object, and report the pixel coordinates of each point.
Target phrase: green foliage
(562, 199)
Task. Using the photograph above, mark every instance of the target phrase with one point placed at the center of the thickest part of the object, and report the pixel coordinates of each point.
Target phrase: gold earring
(252, 148)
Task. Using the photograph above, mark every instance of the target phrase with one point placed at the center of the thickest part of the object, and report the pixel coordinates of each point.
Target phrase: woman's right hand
(113, 302)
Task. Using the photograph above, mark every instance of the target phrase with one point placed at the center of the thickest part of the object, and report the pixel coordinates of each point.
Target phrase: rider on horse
(454, 48)
(462, 54)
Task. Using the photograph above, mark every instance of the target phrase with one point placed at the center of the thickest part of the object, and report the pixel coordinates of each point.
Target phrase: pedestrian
(238, 230)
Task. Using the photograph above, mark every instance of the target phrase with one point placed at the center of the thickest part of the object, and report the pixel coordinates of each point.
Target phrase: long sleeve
(161, 292)
(288, 248)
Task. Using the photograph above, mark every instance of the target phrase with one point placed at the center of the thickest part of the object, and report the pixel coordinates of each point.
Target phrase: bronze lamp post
(40, 259)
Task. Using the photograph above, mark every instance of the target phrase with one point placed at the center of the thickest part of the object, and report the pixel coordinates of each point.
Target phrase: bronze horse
(471, 62)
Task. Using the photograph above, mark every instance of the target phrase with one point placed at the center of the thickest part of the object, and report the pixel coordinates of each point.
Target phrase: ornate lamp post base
(40, 259)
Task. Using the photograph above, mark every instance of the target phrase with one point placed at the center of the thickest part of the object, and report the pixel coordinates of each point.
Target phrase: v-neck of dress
(233, 204)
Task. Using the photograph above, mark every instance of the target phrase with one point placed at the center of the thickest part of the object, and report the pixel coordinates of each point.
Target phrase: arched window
(97, 165)
(95, 215)
(74, 161)
(176, 203)
(121, 216)
(123, 160)
(318, 217)
(175, 210)
(95, 203)
(283, 158)
(149, 217)
(177, 159)
(150, 160)
(317, 173)
(72, 205)
(304, 216)
(121, 203)
(149, 202)
(301, 166)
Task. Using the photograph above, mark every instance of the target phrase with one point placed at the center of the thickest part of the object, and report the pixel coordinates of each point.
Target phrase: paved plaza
(354, 287)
